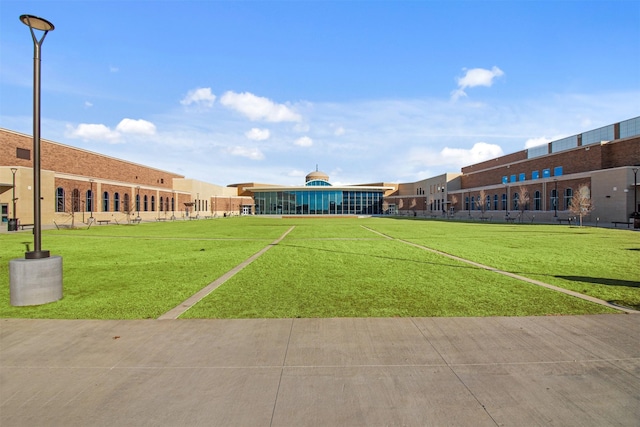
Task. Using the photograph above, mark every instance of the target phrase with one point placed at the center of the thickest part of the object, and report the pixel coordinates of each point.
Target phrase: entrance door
(246, 210)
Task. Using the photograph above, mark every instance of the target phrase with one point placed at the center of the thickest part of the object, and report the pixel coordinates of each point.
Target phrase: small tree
(454, 202)
(482, 203)
(385, 207)
(523, 201)
(581, 203)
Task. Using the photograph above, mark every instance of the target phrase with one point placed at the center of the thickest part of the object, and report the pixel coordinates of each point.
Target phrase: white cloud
(476, 77)
(256, 134)
(305, 141)
(339, 131)
(249, 152)
(113, 69)
(201, 97)
(87, 132)
(258, 108)
(87, 104)
(480, 152)
(140, 127)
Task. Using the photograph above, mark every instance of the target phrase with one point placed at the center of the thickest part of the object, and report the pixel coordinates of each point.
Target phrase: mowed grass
(603, 263)
(328, 268)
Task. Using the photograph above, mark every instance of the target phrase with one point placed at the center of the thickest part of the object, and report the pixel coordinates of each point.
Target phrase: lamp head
(36, 22)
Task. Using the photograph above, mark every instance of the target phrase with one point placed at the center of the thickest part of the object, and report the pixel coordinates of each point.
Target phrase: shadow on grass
(601, 281)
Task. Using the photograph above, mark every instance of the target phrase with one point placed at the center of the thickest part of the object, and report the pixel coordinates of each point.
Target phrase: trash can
(636, 222)
(13, 224)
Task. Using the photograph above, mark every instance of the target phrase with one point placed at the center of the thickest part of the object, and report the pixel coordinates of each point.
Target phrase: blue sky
(370, 91)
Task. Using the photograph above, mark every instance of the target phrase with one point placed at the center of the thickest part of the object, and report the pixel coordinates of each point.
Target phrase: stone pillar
(35, 281)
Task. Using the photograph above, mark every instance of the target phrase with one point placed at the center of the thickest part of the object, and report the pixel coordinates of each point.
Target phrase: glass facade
(630, 127)
(318, 202)
(597, 135)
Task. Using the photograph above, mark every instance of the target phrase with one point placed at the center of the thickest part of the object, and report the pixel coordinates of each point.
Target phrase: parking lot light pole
(635, 192)
(13, 192)
(33, 22)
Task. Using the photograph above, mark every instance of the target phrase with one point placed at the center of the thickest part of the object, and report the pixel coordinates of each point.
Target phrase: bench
(486, 218)
(161, 219)
(23, 226)
(615, 223)
(136, 220)
(567, 220)
(103, 221)
(510, 219)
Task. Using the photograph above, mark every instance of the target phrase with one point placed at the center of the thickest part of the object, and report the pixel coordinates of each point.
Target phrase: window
(597, 135)
(516, 199)
(505, 179)
(535, 175)
(173, 204)
(564, 144)
(568, 195)
(24, 154)
(473, 203)
(166, 204)
(146, 203)
(153, 203)
(522, 177)
(488, 202)
(60, 199)
(554, 199)
(126, 207)
(512, 178)
(105, 202)
(536, 201)
(75, 200)
(557, 171)
(504, 201)
(160, 205)
(116, 202)
(138, 202)
(495, 202)
(89, 201)
(546, 173)
(466, 203)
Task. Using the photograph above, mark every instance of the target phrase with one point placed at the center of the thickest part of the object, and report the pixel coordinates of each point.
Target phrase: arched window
(495, 202)
(516, 199)
(75, 200)
(568, 195)
(466, 203)
(554, 199)
(173, 205)
(161, 204)
(116, 202)
(126, 206)
(488, 202)
(59, 199)
(166, 204)
(473, 202)
(146, 203)
(153, 203)
(89, 201)
(105, 202)
(504, 201)
(537, 201)
(138, 202)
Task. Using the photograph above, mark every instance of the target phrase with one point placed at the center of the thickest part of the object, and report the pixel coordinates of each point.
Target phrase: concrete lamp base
(35, 281)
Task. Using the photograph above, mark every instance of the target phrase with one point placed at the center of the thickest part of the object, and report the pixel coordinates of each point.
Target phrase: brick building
(79, 185)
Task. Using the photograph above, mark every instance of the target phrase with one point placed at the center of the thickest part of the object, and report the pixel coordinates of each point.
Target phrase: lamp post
(635, 192)
(92, 198)
(555, 199)
(13, 193)
(33, 22)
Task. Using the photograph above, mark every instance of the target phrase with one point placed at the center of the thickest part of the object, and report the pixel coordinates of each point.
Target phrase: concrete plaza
(516, 371)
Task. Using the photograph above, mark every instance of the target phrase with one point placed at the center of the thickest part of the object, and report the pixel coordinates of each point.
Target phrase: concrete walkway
(542, 371)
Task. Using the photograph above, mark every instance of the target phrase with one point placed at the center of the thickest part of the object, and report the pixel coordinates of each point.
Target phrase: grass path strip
(516, 276)
(176, 312)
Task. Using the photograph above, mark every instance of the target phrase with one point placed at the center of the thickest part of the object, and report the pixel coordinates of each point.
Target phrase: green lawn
(330, 268)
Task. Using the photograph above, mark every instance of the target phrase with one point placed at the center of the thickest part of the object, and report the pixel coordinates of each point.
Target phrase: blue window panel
(522, 177)
(535, 175)
(512, 178)
(546, 173)
(557, 171)
(505, 179)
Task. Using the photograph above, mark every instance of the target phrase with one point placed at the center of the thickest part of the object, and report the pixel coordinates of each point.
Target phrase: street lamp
(635, 192)
(33, 22)
(13, 196)
(555, 199)
(92, 198)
